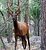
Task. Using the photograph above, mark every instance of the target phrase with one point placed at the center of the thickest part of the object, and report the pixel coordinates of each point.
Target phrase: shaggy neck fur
(15, 24)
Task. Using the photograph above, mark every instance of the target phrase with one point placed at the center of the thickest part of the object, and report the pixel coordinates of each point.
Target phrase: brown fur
(21, 29)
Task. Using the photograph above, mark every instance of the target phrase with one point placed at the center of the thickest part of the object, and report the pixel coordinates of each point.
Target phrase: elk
(21, 29)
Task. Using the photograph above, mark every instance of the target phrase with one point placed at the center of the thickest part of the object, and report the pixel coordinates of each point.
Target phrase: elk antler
(17, 12)
(10, 11)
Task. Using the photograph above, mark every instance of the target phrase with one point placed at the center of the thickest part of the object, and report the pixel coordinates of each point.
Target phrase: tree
(26, 11)
(43, 31)
(19, 9)
(35, 14)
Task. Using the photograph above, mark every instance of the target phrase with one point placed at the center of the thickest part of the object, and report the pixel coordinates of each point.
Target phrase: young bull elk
(21, 29)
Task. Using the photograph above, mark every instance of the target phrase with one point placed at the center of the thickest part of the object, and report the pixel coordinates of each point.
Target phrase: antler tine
(17, 12)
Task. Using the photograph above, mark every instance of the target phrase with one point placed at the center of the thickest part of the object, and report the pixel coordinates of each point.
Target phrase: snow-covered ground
(35, 42)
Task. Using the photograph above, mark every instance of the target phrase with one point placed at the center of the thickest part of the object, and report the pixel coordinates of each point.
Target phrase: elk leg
(15, 42)
(24, 42)
(28, 40)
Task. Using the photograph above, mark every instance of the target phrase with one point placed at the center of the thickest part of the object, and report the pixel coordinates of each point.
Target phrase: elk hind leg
(28, 40)
(24, 43)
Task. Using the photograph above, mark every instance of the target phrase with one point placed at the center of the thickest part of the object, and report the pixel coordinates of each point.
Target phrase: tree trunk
(19, 10)
(43, 31)
(35, 33)
(27, 11)
(38, 27)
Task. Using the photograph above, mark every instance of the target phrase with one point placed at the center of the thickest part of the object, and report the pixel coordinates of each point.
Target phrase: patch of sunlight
(30, 1)
(1, 6)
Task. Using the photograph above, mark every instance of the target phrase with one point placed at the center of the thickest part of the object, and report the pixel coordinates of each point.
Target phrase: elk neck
(15, 23)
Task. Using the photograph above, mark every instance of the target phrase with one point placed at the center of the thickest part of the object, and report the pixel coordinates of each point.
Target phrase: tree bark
(35, 27)
(43, 31)
(38, 27)
(19, 10)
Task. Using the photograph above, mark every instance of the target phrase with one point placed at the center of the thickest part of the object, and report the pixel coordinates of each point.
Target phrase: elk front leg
(15, 42)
